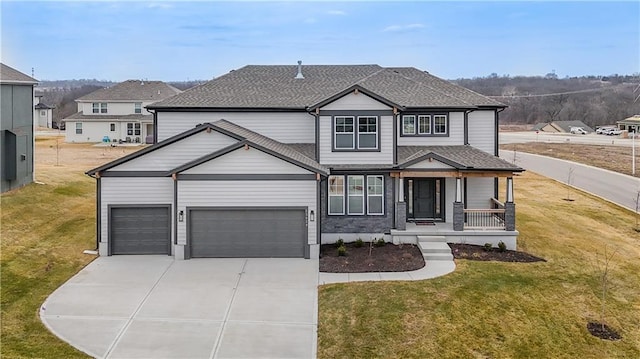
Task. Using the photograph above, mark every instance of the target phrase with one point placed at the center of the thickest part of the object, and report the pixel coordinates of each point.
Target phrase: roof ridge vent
(299, 74)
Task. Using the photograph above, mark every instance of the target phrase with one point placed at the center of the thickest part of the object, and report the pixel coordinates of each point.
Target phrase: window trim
(381, 195)
(362, 195)
(329, 196)
(356, 134)
(429, 118)
(137, 107)
(376, 133)
(112, 127)
(413, 118)
(446, 125)
(78, 128)
(95, 107)
(432, 116)
(335, 133)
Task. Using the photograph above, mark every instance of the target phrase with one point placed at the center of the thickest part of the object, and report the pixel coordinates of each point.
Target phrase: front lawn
(504, 310)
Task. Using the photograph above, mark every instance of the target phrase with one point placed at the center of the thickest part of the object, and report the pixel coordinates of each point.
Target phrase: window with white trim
(344, 132)
(375, 195)
(336, 195)
(137, 107)
(439, 124)
(424, 124)
(355, 195)
(367, 132)
(43, 113)
(78, 128)
(409, 125)
(99, 107)
(133, 129)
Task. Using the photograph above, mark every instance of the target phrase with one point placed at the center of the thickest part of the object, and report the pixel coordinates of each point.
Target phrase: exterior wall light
(312, 216)
(181, 216)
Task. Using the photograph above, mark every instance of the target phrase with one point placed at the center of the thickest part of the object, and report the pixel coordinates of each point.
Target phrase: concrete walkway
(432, 269)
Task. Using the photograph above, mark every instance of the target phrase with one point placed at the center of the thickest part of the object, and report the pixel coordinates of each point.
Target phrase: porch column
(458, 207)
(509, 208)
(401, 207)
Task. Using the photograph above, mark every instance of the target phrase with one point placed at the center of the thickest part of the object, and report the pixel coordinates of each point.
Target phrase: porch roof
(462, 157)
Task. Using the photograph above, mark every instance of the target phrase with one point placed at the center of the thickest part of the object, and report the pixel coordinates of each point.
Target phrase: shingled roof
(275, 86)
(462, 157)
(132, 90)
(11, 75)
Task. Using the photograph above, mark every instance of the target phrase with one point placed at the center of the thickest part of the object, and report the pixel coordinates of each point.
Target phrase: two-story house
(42, 113)
(272, 161)
(117, 113)
(16, 128)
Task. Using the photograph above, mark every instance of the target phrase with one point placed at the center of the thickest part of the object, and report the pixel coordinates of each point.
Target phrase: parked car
(611, 131)
(601, 130)
(578, 131)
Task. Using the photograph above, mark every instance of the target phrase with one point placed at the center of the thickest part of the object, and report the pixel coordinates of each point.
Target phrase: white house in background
(42, 113)
(117, 113)
(273, 161)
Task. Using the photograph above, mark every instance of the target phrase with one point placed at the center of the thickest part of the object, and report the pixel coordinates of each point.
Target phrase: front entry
(424, 199)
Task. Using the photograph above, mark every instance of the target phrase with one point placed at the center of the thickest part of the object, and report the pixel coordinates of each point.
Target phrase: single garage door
(140, 230)
(247, 232)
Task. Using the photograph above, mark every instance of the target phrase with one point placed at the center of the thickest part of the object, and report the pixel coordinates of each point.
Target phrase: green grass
(44, 230)
(504, 310)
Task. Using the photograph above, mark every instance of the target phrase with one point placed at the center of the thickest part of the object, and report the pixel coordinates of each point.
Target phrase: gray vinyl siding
(252, 194)
(178, 153)
(247, 161)
(354, 101)
(450, 193)
(16, 115)
(479, 192)
(285, 127)
(382, 156)
(456, 133)
(132, 191)
(482, 130)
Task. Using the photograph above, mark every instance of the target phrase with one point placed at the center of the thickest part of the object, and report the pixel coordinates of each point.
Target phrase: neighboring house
(631, 124)
(42, 113)
(117, 113)
(16, 119)
(539, 126)
(272, 161)
(562, 126)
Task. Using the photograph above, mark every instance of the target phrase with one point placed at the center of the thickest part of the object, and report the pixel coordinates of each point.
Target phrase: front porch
(478, 236)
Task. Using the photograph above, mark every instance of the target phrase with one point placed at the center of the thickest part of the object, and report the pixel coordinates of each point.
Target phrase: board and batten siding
(178, 153)
(479, 192)
(246, 161)
(285, 127)
(131, 191)
(383, 156)
(246, 194)
(456, 133)
(482, 130)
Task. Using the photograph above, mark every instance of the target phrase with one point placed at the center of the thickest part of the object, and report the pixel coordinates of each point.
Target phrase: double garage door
(247, 232)
(212, 232)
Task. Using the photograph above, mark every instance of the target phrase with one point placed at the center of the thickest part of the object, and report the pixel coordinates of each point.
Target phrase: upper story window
(425, 125)
(351, 133)
(137, 107)
(99, 107)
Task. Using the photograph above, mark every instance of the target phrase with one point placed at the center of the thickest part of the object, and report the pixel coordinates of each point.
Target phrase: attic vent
(299, 75)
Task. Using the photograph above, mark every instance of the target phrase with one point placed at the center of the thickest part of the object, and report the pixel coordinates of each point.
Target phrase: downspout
(155, 125)
(319, 214)
(98, 209)
(466, 126)
(316, 117)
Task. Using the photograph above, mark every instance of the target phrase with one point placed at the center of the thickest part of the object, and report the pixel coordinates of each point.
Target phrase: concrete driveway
(157, 307)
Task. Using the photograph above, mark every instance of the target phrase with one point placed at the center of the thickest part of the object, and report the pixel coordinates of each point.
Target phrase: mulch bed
(602, 331)
(478, 253)
(388, 258)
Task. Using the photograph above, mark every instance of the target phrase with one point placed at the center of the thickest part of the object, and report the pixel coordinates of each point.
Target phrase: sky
(200, 40)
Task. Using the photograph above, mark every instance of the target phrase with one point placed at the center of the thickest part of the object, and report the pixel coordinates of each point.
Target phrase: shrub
(488, 246)
(339, 243)
(359, 243)
(501, 246)
(342, 250)
(379, 242)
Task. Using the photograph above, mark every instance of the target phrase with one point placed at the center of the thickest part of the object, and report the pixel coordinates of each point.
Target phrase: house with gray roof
(117, 113)
(16, 128)
(562, 126)
(275, 161)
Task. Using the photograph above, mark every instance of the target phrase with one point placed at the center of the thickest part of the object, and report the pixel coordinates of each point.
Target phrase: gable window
(137, 107)
(439, 124)
(112, 127)
(367, 132)
(424, 124)
(355, 194)
(43, 113)
(409, 125)
(78, 128)
(344, 132)
(336, 195)
(99, 107)
(375, 195)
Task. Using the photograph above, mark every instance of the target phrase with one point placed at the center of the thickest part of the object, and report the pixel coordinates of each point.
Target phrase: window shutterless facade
(361, 195)
(351, 133)
(133, 129)
(112, 127)
(344, 131)
(355, 195)
(78, 128)
(375, 195)
(367, 132)
(99, 107)
(336, 195)
(137, 107)
(425, 125)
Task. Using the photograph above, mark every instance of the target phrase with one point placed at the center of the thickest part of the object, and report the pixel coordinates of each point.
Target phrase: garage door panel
(248, 233)
(140, 230)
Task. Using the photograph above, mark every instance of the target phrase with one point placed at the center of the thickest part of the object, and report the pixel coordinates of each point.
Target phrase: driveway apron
(157, 307)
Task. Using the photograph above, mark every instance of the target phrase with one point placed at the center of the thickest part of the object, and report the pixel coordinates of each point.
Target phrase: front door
(423, 198)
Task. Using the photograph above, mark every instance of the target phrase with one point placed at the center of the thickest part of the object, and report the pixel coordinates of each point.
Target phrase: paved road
(618, 188)
(591, 139)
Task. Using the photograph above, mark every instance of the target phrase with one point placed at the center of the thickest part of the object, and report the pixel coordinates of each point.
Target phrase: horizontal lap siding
(479, 192)
(178, 153)
(296, 127)
(355, 102)
(384, 156)
(482, 130)
(251, 161)
(456, 134)
(132, 191)
(246, 194)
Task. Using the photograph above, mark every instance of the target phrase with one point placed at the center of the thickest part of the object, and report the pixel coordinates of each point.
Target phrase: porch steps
(435, 248)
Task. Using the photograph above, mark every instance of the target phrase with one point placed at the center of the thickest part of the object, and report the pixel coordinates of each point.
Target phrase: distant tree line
(594, 100)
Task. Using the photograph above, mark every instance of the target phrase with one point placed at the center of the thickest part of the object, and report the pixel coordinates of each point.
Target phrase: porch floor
(470, 236)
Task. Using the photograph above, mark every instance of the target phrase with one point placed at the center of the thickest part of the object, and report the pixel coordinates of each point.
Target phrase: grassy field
(504, 310)
(613, 158)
